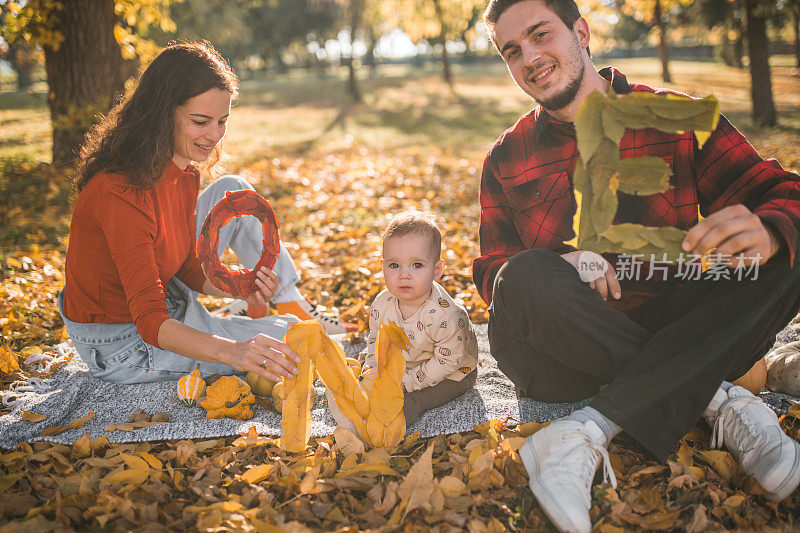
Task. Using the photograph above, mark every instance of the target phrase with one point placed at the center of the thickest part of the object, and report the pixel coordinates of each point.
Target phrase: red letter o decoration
(236, 204)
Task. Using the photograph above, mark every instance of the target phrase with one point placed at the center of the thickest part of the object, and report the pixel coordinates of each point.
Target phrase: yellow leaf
(377, 469)
(251, 438)
(8, 481)
(56, 430)
(529, 428)
(721, 461)
(349, 462)
(735, 501)
(83, 446)
(257, 473)
(129, 426)
(452, 486)
(30, 350)
(151, 460)
(335, 515)
(512, 444)
(127, 477)
(347, 441)
(33, 417)
(685, 455)
(120, 34)
(309, 481)
(8, 361)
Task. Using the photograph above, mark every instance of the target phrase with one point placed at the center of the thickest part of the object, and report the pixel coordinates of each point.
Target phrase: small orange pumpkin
(260, 385)
(229, 397)
(191, 387)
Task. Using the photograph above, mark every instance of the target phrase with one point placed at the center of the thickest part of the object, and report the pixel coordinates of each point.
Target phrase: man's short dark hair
(566, 10)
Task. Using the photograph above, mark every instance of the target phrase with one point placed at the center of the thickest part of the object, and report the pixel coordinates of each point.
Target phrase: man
(654, 354)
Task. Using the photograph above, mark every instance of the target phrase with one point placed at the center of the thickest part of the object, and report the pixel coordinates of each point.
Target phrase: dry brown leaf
(257, 473)
(137, 472)
(417, 488)
(9, 362)
(83, 446)
(251, 438)
(699, 520)
(130, 426)
(33, 417)
(57, 430)
(719, 460)
(347, 442)
(364, 469)
(512, 444)
(452, 486)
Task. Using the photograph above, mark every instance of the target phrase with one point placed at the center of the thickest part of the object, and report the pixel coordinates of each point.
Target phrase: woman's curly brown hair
(136, 138)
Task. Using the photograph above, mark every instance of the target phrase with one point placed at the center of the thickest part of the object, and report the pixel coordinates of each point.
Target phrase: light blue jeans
(116, 352)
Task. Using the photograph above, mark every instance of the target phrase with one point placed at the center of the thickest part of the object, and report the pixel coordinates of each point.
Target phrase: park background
(349, 112)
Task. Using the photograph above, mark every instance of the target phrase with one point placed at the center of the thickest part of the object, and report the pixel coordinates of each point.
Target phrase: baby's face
(409, 268)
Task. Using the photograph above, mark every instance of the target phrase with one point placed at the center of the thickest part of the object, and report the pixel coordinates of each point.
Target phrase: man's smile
(540, 74)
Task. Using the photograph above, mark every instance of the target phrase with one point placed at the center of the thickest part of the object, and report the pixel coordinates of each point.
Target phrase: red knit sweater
(126, 244)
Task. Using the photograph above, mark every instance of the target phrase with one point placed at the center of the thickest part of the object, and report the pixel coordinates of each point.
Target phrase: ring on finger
(264, 362)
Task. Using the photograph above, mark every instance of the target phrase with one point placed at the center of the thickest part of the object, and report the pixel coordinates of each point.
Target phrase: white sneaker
(305, 310)
(561, 460)
(752, 434)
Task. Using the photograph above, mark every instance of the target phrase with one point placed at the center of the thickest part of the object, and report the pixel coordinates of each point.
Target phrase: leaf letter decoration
(377, 414)
(599, 173)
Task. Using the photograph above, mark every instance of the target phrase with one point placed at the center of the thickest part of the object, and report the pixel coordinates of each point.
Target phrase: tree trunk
(355, 21)
(738, 51)
(448, 76)
(21, 59)
(372, 43)
(280, 65)
(726, 54)
(663, 52)
(796, 17)
(761, 84)
(83, 75)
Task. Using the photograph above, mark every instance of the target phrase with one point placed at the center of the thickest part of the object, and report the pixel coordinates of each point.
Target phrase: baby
(441, 364)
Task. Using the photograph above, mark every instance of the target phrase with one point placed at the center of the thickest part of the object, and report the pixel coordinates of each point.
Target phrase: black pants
(558, 341)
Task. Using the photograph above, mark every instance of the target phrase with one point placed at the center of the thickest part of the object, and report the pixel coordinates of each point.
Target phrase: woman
(132, 274)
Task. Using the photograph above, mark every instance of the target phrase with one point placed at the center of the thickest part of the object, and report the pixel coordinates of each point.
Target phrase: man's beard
(567, 95)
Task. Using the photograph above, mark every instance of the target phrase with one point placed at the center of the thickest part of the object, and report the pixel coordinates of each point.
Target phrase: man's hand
(736, 232)
(605, 284)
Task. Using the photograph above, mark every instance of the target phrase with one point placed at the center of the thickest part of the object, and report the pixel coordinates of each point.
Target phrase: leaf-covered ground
(334, 174)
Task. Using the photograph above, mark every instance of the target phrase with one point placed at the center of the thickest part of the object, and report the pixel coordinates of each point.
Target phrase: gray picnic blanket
(70, 393)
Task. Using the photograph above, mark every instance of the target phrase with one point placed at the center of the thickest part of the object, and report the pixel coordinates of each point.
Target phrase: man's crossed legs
(660, 370)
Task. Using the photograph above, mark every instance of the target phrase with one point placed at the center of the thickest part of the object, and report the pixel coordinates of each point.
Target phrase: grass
(404, 106)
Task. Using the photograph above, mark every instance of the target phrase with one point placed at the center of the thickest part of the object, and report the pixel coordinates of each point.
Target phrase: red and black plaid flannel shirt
(527, 199)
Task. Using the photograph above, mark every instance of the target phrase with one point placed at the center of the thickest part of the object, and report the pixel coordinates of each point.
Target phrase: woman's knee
(232, 182)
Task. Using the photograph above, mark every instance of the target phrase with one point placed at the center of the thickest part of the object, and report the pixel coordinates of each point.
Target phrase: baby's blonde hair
(415, 222)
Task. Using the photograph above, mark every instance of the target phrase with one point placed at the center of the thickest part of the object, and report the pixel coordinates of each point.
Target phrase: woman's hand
(265, 356)
(267, 285)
